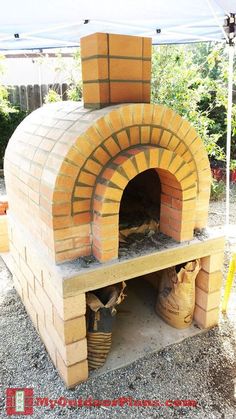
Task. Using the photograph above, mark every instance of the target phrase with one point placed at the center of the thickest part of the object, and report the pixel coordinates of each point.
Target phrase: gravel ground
(201, 368)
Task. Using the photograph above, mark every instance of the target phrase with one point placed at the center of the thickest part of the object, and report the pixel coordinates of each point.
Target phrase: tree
(192, 80)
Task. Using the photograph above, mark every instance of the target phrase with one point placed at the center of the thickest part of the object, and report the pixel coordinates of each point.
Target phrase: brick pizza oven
(67, 167)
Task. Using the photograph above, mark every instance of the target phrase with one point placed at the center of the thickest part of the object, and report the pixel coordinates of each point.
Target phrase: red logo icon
(19, 401)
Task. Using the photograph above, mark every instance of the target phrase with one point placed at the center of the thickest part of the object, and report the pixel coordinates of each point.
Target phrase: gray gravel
(202, 368)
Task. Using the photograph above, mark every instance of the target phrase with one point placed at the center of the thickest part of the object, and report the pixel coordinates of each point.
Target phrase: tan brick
(165, 138)
(95, 44)
(213, 263)
(71, 330)
(47, 340)
(119, 180)
(204, 318)
(95, 69)
(207, 301)
(32, 313)
(145, 135)
(62, 245)
(73, 374)
(87, 178)
(135, 135)
(156, 135)
(83, 205)
(107, 244)
(71, 254)
(37, 305)
(141, 162)
(113, 193)
(103, 230)
(71, 353)
(93, 166)
(125, 45)
(126, 69)
(126, 91)
(123, 140)
(112, 146)
(74, 306)
(28, 274)
(104, 256)
(82, 241)
(83, 191)
(17, 285)
(209, 282)
(44, 300)
(101, 155)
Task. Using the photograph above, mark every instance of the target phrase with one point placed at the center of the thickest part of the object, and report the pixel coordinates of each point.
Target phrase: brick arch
(120, 129)
(127, 127)
(178, 196)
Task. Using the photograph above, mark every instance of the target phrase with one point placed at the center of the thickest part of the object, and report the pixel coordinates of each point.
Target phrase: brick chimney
(115, 69)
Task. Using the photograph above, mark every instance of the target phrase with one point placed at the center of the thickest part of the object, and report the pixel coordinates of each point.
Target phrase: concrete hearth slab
(138, 330)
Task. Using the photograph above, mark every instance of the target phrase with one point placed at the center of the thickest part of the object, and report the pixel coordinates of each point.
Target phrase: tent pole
(229, 127)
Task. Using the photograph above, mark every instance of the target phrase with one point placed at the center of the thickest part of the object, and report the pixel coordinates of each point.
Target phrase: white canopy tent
(34, 24)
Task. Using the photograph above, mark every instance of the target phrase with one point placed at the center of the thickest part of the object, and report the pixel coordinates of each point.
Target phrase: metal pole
(229, 128)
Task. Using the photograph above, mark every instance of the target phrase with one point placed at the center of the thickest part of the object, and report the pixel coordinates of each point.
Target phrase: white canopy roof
(34, 24)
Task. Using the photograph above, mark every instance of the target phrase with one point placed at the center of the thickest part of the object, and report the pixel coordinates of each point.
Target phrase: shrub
(52, 96)
(75, 92)
(217, 190)
(10, 117)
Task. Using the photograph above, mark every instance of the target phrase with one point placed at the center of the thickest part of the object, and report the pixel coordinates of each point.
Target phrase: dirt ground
(201, 368)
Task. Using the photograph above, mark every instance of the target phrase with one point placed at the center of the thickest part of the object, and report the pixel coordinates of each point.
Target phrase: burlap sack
(176, 297)
(100, 317)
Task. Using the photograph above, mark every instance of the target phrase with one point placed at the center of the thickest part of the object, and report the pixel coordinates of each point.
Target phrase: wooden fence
(31, 97)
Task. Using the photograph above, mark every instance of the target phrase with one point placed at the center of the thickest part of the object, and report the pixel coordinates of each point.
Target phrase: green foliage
(10, 117)
(75, 91)
(232, 164)
(73, 79)
(52, 96)
(192, 80)
(217, 190)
